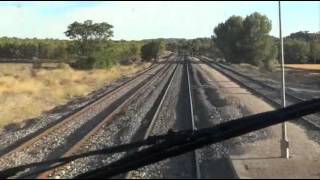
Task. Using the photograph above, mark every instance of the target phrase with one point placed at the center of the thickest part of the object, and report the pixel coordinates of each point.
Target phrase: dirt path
(261, 159)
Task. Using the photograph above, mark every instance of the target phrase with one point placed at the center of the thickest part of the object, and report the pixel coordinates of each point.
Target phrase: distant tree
(246, 40)
(89, 31)
(301, 35)
(134, 51)
(296, 52)
(162, 47)
(315, 51)
(198, 46)
(152, 50)
(195, 45)
(172, 46)
(147, 52)
(257, 46)
(88, 34)
(228, 37)
(89, 37)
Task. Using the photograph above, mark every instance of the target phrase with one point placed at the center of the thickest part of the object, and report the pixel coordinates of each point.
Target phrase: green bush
(151, 50)
(124, 53)
(296, 52)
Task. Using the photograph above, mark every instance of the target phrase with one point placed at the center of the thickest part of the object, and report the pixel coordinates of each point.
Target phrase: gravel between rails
(172, 116)
(39, 150)
(119, 131)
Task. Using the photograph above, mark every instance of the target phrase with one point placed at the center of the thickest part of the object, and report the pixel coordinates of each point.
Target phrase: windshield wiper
(176, 143)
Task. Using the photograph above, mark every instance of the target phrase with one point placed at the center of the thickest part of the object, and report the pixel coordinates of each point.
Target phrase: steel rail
(157, 112)
(196, 157)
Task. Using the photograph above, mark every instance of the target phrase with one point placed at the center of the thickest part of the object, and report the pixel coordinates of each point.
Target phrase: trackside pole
(285, 152)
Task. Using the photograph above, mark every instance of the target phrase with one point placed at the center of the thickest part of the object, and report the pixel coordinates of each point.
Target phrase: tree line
(29, 48)
(302, 47)
(198, 46)
(90, 46)
(247, 40)
(237, 40)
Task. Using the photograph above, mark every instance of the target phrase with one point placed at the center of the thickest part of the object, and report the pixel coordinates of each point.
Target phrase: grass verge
(26, 93)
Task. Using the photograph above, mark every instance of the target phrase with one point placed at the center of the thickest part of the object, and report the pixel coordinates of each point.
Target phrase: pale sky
(146, 20)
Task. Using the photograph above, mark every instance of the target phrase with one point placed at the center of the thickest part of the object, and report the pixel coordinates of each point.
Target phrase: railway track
(87, 142)
(56, 139)
(148, 131)
(265, 91)
(17, 140)
(156, 116)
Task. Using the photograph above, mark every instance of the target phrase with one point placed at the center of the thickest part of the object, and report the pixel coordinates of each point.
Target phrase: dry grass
(304, 66)
(314, 67)
(26, 93)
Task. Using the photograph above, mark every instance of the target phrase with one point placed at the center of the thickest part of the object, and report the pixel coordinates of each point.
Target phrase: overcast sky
(145, 20)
